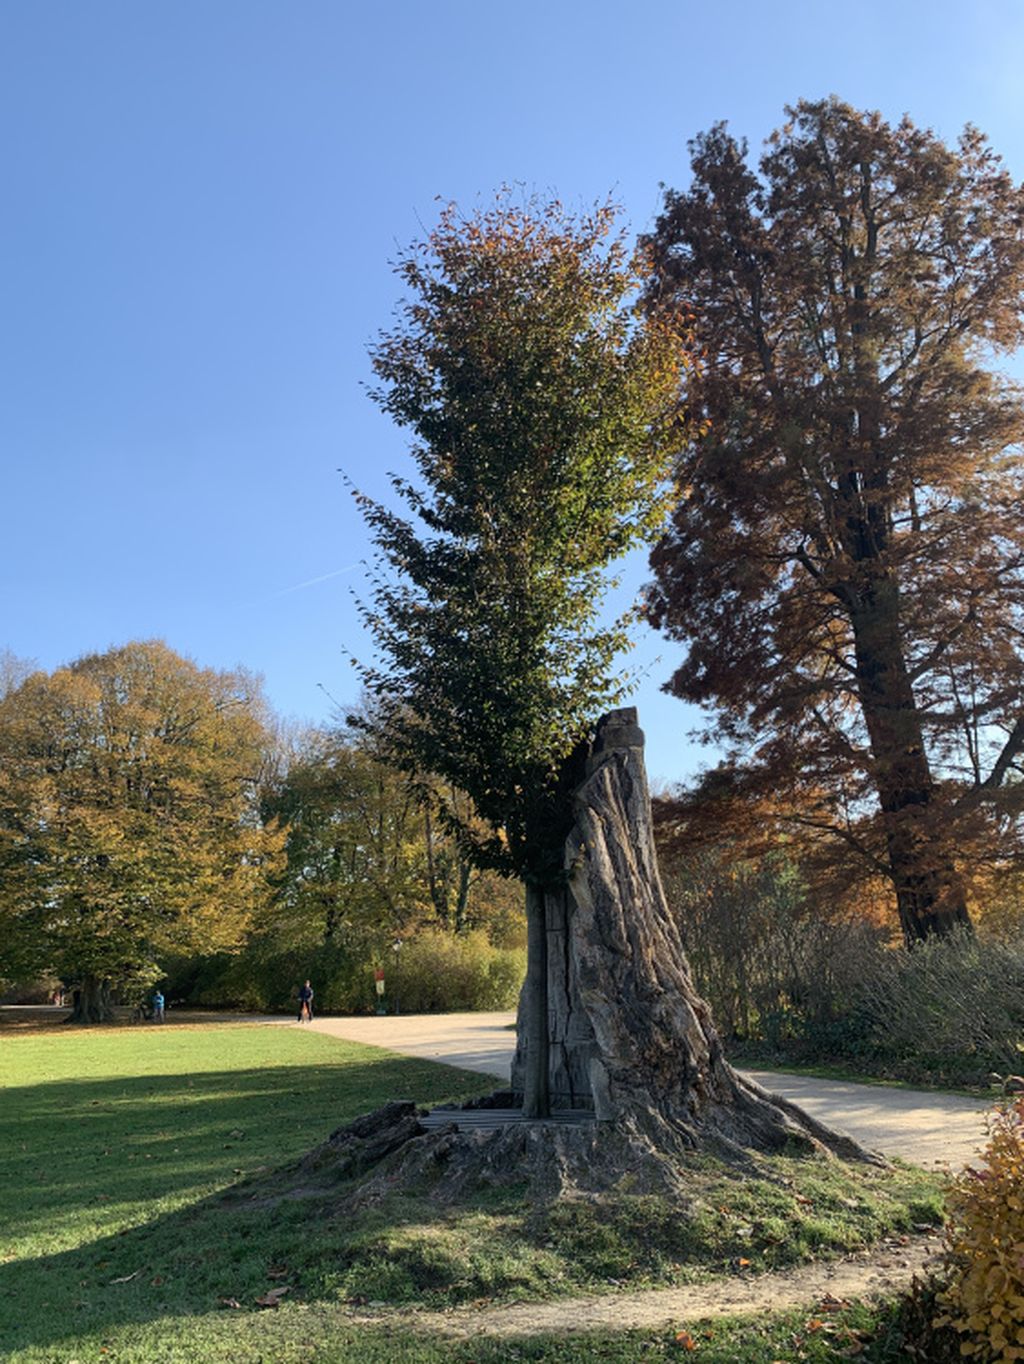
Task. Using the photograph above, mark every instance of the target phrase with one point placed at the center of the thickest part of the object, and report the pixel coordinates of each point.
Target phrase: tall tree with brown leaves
(846, 564)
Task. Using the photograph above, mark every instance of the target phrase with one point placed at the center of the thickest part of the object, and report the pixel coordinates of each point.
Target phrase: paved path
(919, 1126)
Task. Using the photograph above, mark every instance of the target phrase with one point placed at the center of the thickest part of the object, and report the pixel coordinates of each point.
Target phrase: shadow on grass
(76, 1143)
(131, 1178)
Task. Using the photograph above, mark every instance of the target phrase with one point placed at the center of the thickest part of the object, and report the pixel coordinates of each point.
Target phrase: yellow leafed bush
(984, 1301)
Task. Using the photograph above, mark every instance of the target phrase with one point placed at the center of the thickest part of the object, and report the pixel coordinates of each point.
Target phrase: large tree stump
(629, 1039)
(629, 1036)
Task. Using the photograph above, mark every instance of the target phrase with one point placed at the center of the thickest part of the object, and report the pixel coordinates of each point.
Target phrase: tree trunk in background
(92, 1002)
(929, 893)
(629, 1035)
(462, 895)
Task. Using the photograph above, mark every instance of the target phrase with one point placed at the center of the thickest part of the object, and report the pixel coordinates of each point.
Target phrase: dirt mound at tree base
(538, 1210)
(390, 1150)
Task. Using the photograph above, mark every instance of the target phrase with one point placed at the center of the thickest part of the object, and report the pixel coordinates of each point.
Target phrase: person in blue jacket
(306, 1003)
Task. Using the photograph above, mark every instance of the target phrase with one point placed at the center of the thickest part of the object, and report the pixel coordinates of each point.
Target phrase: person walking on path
(306, 1003)
(158, 1007)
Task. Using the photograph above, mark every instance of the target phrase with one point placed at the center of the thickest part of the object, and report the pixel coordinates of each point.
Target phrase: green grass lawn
(135, 1221)
(112, 1139)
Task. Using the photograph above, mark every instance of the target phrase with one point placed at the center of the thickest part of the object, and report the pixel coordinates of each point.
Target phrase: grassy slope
(116, 1148)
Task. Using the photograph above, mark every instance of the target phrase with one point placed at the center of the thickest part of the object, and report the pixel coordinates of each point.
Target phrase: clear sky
(200, 201)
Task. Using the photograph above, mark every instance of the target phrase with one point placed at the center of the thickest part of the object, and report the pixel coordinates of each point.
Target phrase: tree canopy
(846, 564)
(540, 407)
(353, 841)
(128, 817)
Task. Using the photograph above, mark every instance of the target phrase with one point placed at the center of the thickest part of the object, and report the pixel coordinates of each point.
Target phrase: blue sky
(201, 199)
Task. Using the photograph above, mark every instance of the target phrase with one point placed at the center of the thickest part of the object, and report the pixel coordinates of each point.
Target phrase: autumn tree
(128, 821)
(355, 859)
(539, 407)
(845, 563)
(367, 859)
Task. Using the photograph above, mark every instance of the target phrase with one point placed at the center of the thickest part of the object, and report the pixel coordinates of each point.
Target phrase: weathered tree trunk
(533, 1026)
(609, 1021)
(92, 1002)
(629, 1036)
(930, 895)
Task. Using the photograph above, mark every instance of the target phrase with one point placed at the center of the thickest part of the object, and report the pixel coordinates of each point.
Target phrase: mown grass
(128, 1230)
(314, 1335)
(114, 1141)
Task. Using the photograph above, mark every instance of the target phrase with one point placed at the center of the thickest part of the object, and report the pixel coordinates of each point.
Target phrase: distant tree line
(151, 811)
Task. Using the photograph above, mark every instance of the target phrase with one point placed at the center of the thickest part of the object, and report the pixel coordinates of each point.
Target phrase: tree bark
(439, 901)
(533, 1031)
(930, 895)
(462, 894)
(92, 1002)
(630, 1037)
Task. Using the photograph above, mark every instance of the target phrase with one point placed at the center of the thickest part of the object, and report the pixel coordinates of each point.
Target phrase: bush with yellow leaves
(984, 1300)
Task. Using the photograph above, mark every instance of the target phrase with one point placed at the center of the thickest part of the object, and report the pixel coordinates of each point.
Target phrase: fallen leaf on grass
(273, 1296)
(229, 1302)
(127, 1278)
(685, 1340)
(830, 1303)
(278, 1272)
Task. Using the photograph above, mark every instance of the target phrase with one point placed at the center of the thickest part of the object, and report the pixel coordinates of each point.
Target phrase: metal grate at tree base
(493, 1119)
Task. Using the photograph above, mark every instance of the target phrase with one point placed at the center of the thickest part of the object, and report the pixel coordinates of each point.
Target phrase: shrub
(435, 971)
(773, 966)
(443, 971)
(984, 1301)
(950, 1009)
(820, 987)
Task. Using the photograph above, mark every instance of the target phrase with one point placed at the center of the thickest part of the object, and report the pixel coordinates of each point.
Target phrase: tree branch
(985, 790)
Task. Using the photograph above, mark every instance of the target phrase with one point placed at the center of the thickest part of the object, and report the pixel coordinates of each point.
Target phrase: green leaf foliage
(541, 410)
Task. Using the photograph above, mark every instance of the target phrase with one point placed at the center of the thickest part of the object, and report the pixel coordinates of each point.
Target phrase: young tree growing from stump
(846, 564)
(542, 410)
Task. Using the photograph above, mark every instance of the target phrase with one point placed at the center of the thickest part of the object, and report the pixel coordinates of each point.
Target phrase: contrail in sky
(311, 582)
